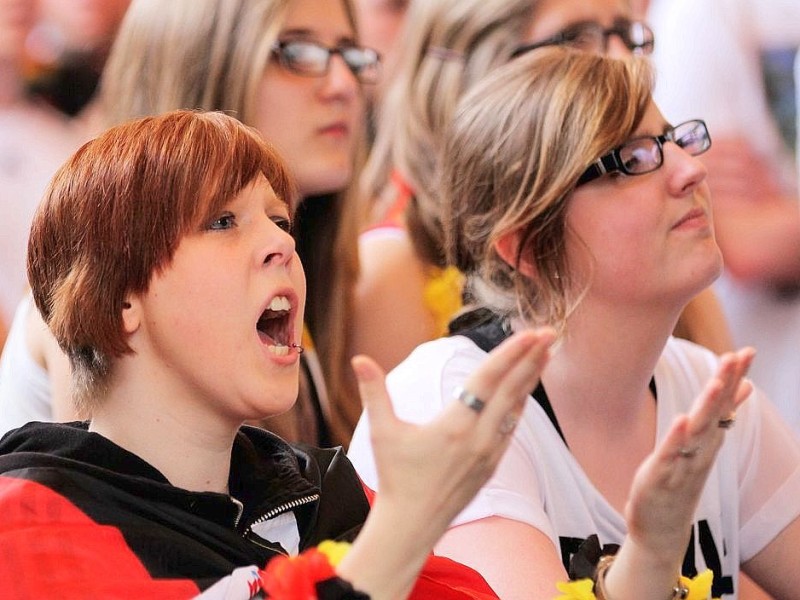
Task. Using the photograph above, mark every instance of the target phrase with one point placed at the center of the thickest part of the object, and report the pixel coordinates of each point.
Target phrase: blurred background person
(719, 59)
(34, 140)
(69, 47)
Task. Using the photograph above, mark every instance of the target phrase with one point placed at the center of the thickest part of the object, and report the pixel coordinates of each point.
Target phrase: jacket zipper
(239, 511)
(274, 512)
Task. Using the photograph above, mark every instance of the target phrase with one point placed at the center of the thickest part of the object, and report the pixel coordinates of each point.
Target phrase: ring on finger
(688, 451)
(508, 424)
(468, 399)
(727, 422)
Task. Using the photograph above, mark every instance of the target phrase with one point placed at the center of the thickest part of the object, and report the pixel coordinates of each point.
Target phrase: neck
(191, 449)
(608, 356)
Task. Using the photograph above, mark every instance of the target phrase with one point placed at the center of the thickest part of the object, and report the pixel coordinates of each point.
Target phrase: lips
(695, 213)
(338, 129)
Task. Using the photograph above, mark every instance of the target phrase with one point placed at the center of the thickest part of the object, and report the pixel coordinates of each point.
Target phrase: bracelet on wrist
(696, 588)
(679, 592)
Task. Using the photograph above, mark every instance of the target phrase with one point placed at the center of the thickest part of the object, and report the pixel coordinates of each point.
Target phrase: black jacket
(48, 471)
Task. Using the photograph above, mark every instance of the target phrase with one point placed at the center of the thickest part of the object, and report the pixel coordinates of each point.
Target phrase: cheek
(614, 240)
(280, 113)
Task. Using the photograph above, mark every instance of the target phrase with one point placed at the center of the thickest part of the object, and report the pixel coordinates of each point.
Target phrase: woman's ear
(507, 247)
(131, 313)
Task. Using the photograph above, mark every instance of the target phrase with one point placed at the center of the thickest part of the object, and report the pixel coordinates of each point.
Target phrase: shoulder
(388, 261)
(421, 385)
(390, 243)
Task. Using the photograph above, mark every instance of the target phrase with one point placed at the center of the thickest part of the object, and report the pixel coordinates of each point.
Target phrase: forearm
(638, 574)
(761, 242)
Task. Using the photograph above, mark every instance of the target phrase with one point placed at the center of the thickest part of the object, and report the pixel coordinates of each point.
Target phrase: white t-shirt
(751, 495)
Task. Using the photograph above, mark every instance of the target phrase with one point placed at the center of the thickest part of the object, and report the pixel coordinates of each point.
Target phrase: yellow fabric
(442, 296)
(307, 342)
(334, 551)
(583, 589)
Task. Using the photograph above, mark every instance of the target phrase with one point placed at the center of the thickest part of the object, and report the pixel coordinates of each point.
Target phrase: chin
(326, 179)
(282, 401)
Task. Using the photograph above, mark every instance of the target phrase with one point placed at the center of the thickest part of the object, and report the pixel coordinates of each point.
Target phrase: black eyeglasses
(645, 154)
(314, 60)
(593, 37)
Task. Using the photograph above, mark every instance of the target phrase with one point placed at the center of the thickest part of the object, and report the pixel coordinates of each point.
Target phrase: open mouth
(275, 326)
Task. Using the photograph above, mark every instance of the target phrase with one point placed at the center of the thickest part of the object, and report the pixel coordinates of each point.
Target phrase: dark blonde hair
(448, 46)
(114, 215)
(517, 146)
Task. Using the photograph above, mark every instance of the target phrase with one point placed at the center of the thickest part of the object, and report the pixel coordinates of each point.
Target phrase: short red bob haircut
(114, 214)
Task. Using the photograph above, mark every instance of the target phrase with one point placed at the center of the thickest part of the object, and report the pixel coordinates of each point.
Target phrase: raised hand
(437, 468)
(428, 473)
(668, 484)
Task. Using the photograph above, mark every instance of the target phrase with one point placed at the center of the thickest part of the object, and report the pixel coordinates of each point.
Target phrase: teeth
(279, 303)
(279, 350)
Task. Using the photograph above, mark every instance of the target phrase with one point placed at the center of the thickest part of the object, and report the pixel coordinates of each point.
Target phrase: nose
(277, 246)
(615, 47)
(686, 172)
(340, 82)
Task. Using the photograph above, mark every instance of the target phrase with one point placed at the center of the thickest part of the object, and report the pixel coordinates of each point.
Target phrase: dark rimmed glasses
(311, 59)
(593, 37)
(646, 154)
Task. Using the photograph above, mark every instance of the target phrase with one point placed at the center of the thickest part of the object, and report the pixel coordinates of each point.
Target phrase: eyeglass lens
(592, 36)
(692, 136)
(645, 154)
(640, 156)
(311, 59)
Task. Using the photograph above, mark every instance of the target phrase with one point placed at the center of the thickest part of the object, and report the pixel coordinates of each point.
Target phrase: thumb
(372, 388)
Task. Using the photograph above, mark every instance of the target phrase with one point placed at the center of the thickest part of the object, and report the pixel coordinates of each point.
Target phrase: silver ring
(688, 452)
(508, 424)
(727, 422)
(469, 399)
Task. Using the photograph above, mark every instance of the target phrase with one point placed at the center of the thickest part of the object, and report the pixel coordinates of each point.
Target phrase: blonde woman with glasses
(407, 293)
(569, 199)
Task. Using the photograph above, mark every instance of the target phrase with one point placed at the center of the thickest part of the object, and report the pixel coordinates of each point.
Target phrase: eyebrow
(311, 35)
(637, 136)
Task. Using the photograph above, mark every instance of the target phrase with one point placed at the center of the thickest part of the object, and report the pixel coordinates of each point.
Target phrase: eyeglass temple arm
(600, 167)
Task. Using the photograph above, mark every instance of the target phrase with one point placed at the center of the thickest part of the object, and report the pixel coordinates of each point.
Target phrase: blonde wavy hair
(519, 141)
(448, 46)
